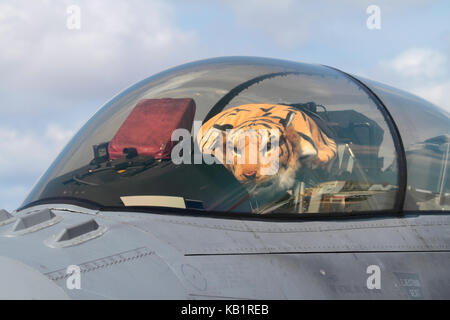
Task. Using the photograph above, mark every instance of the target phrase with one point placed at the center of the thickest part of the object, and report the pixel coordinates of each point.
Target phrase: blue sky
(53, 79)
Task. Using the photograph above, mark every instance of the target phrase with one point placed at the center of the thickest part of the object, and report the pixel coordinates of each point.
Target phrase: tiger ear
(286, 122)
(313, 141)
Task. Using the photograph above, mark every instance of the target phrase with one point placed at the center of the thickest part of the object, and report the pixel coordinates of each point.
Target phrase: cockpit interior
(250, 136)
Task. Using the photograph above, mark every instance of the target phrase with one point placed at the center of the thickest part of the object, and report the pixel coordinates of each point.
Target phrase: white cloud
(24, 157)
(30, 152)
(419, 62)
(119, 43)
(12, 195)
(422, 71)
(58, 135)
(439, 94)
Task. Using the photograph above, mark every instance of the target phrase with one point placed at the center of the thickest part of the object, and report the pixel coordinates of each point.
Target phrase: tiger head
(265, 145)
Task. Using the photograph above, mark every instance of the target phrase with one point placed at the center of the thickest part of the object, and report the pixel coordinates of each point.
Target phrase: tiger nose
(250, 175)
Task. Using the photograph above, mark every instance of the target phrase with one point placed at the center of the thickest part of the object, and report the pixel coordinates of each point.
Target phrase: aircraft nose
(20, 281)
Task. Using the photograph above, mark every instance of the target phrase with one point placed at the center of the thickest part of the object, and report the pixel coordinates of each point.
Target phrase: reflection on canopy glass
(425, 131)
(256, 137)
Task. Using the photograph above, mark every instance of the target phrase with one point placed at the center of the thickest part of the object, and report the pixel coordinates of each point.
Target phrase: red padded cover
(149, 127)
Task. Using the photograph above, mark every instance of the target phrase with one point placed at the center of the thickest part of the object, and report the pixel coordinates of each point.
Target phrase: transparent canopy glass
(425, 131)
(182, 140)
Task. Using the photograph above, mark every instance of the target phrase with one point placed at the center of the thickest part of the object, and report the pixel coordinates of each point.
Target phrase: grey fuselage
(132, 255)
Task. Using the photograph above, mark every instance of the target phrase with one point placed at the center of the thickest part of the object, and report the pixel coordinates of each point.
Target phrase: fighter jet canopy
(243, 136)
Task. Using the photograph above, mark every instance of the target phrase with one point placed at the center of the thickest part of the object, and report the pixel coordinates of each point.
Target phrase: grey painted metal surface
(157, 256)
(20, 281)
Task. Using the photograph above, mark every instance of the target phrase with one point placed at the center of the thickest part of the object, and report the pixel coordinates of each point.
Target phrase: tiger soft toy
(238, 136)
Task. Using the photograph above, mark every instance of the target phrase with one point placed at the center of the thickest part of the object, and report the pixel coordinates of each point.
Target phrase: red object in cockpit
(149, 127)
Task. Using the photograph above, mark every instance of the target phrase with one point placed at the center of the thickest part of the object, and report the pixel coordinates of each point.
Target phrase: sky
(54, 77)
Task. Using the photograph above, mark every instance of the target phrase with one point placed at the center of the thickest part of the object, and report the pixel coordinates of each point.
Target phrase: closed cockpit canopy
(256, 136)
